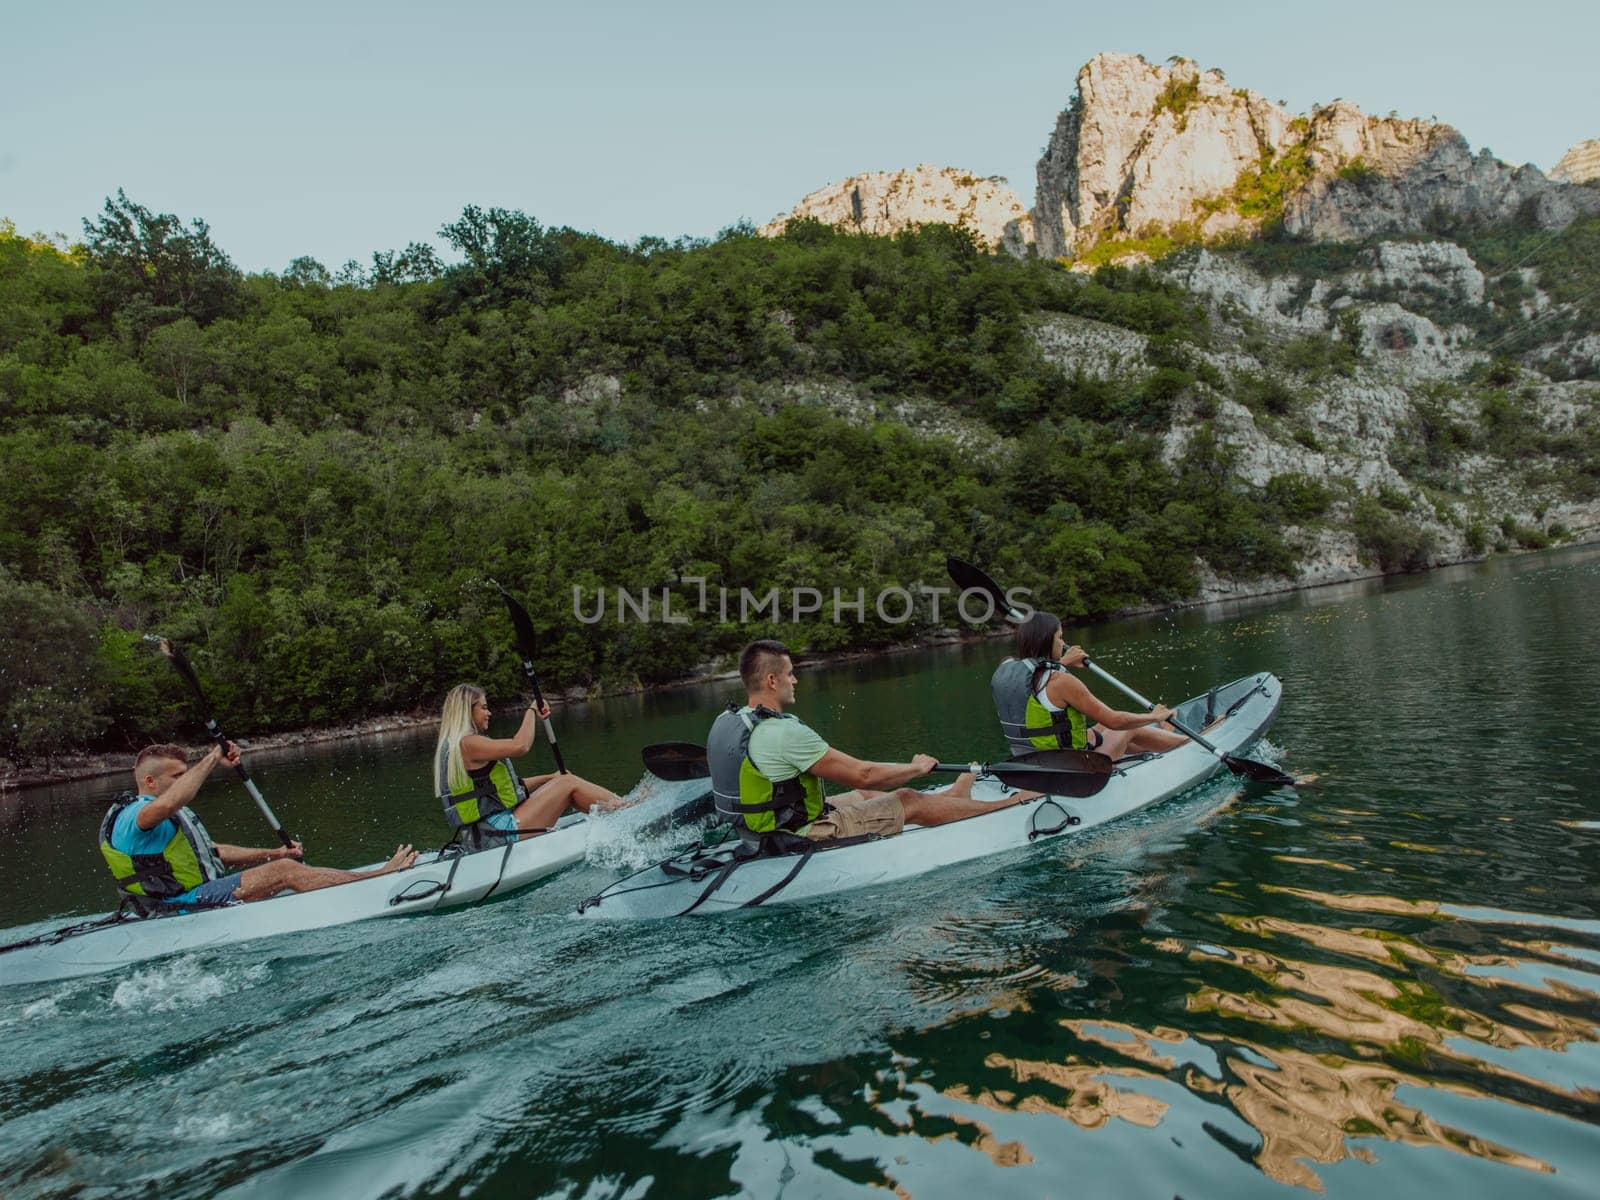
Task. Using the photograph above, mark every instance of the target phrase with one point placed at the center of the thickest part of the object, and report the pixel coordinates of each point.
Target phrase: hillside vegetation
(306, 477)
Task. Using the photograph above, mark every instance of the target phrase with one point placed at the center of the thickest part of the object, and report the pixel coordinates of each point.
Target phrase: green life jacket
(1027, 724)
(186, 861)
(493, 788)
(754, 804)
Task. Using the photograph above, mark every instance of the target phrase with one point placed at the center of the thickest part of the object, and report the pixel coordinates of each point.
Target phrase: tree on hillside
(417, 263)
(509, 255)
(153, 269)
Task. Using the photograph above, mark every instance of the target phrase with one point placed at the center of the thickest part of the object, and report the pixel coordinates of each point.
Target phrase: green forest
(306, 478)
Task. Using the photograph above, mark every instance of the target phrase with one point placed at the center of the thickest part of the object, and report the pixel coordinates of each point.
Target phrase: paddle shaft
(250, 785)
(1140, 700)
(538, 700)
(685, 760)
(181, 665)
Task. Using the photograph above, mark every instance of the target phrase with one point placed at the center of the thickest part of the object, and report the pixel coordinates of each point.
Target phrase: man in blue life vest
(768, 767)
(160, 853)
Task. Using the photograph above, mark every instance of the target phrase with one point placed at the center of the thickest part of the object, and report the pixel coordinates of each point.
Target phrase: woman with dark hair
(1043, 706)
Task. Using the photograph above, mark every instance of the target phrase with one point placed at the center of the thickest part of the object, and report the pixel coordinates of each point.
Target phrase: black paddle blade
(527, 640)
(1085, 762)
(179, 662)
(968, 578)
(675, 761)
(1257, 772)
(1031, 777)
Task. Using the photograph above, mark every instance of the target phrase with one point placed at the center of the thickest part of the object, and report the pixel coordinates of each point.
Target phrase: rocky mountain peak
(1145, 155)
(1139, 146)
(885, 202)
(1580, 164)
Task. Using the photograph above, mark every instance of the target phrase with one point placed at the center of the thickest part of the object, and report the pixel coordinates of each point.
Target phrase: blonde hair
(455, 723)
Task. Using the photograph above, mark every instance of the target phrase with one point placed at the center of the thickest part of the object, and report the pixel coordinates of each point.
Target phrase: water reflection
(1326, 1038)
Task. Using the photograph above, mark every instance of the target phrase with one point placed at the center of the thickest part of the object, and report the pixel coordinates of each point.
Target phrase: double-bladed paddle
(969, 578)
(527, 641)
(181, 664)
(676, 761)
(1077, 773)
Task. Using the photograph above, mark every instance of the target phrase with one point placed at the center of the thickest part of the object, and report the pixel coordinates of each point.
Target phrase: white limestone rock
(1139, 145)
(1145, 149)
(1443, 268)
(885, 202)
(1096, 350)
(1580, 164)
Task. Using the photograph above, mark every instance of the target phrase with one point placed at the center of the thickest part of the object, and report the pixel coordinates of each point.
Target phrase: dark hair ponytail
(1036, 638)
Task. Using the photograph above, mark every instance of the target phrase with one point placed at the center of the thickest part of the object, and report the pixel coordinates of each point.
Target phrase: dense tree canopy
(305, 477)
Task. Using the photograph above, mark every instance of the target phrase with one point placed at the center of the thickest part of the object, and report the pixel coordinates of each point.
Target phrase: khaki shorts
(852, 815)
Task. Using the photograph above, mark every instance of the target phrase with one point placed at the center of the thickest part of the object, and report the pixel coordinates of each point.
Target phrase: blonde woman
(483, 796)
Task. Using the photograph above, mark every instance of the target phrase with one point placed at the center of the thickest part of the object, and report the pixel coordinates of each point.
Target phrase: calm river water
(1384, 982)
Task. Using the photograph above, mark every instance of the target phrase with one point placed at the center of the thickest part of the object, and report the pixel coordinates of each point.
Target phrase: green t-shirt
(784, 748)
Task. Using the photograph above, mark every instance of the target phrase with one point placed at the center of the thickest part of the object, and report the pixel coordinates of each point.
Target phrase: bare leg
(1115, 743)
(962, 787)
(266, 881)
(1156, 740)
(942, 807)
(544, 807)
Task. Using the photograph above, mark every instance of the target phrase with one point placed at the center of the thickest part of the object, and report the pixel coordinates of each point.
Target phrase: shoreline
(71, 769)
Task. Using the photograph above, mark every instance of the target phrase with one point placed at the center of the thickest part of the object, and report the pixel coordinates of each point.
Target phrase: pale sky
(336, 129)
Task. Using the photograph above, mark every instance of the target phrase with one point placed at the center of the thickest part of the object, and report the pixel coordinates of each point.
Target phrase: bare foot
(962, 787)
(404, 856)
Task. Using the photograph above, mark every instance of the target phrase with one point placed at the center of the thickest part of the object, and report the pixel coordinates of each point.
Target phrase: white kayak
(435, 881)
(717, 879)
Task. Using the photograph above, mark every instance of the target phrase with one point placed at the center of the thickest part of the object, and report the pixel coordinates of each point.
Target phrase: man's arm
(837, 767)
(237, 858)
(184, 788)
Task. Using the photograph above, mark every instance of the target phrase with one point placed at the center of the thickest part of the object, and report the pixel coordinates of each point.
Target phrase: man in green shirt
(767, 769)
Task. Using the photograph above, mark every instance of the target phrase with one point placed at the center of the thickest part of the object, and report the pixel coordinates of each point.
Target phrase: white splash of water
(205, 1129)
(181, 983)
(1265, 751)
(660, 818)
(39, 1009)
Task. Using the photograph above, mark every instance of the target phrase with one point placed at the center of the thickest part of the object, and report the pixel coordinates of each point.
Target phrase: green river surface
(1383, 982)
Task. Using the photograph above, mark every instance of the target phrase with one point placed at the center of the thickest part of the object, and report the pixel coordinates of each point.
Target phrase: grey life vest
(1027, 724)
(754, 804)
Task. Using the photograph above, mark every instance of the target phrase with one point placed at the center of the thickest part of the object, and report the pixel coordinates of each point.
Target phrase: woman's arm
(478, 750)
(1065, 689)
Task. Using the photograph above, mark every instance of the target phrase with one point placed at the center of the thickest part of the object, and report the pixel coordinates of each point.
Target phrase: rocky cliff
(1580, 164)
(885, 202)
(1144, 151)
(1355, 388)
(1434, 395)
